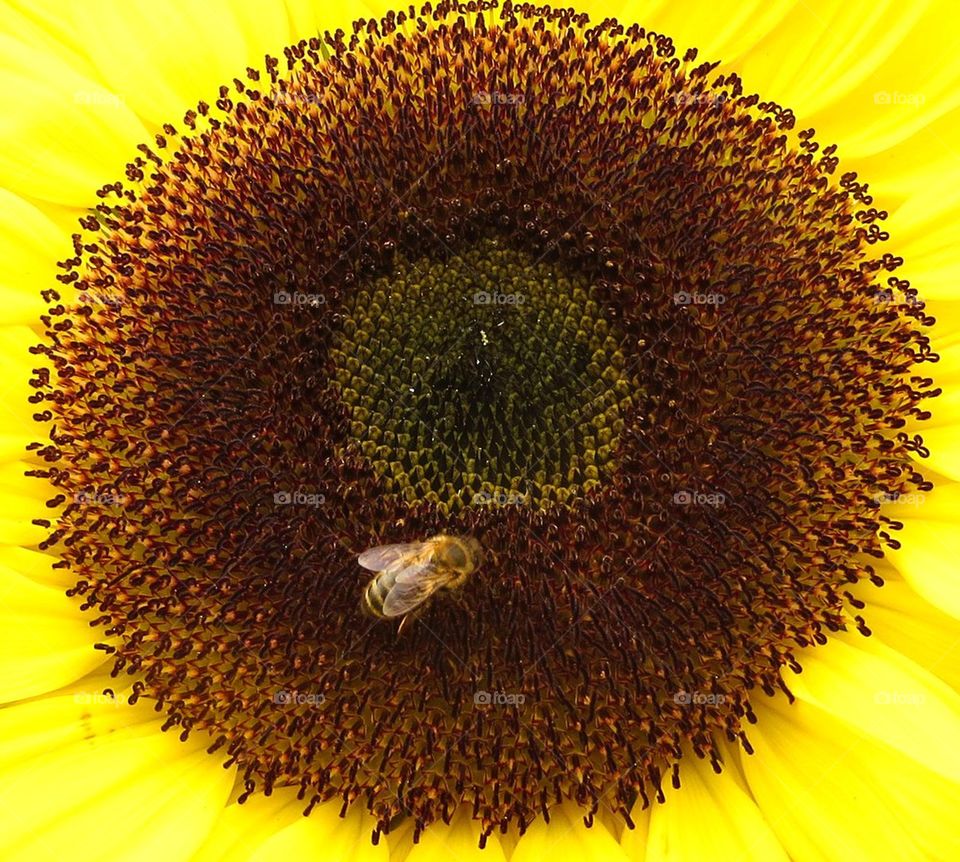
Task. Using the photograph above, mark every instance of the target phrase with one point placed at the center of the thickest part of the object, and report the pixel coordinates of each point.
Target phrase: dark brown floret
(231, 428)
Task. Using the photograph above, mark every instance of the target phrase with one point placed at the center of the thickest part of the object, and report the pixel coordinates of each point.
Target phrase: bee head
(474, 552)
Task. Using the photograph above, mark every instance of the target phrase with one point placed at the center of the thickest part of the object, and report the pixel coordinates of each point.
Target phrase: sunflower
(284, 283)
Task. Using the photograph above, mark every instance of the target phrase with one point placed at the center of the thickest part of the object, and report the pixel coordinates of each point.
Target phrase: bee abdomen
(376, 592)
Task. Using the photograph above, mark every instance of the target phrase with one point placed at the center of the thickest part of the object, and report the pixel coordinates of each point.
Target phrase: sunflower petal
(303, 19)
(273, 827)
(162, 58)
(324, 836)
(900, 618)
(42, 25)
(240, 827)
(634, 841)
(926, 561)
(93, 780)
(822, 50)
(64, 135)
(16, 370)
(832, 793)
(45, 641)
(340, 14)
(710, 816)
(851, 70)
(941, 432)
(28, 243)
(567, 835)
(37, 566)
(720, 31)
(459, 841)
(886, 696)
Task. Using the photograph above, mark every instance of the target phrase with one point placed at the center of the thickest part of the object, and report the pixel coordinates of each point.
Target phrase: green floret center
(487, 378)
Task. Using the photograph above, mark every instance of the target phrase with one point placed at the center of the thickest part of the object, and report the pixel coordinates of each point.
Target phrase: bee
(407, 575)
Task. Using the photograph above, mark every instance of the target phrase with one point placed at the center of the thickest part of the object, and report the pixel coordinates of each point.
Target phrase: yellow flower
(861, 764)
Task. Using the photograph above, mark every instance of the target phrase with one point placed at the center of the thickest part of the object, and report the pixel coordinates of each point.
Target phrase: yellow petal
(887, 696)
(303, 19)
(459, 841)
(325, 837)
(710, 816)
(946, 331)
(238, 828)
(941, 432)
(16, 369)
(945, 408)
(832, 793)
(927, 558)
(822, 49)
(330, 16)
(867, 75)
(273, 827)
(900, 618)
(719, 31)
(45, 641)
(16, 520)
(161, 58)
(93, 780)
(60, 723)
(634, 841)
(943, 462)
(63, 135)
(567, 836)
(265, 25)
(923, 228)
(42, 25)
(37, 566)
(14, 446)
(13, 479)
(29, 246)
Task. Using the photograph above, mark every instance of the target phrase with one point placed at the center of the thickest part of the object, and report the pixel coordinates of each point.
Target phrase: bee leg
(403, 622)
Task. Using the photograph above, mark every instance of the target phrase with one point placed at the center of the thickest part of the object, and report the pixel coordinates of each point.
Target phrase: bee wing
(378, 559)
(413, 586)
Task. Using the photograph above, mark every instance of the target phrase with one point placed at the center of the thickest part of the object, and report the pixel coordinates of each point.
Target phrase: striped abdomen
(376, 592)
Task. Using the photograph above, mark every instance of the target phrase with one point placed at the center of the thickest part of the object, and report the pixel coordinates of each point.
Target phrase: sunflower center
(483, 378)
(462, 259)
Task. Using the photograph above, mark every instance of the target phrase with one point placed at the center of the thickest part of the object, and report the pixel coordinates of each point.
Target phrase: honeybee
(409, 574)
